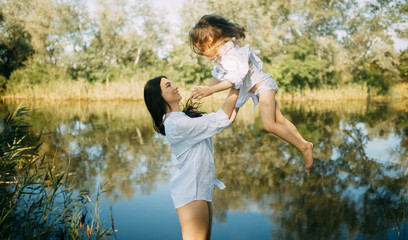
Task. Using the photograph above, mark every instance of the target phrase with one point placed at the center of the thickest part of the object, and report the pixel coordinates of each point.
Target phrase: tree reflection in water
(349, 193)
(104, 143)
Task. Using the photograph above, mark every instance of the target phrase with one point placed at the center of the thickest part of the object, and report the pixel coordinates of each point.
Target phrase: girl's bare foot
(308, 156)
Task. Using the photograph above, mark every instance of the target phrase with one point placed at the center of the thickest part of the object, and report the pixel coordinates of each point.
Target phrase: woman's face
(169, 91)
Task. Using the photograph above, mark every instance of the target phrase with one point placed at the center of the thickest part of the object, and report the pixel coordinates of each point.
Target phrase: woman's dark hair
(157, 106)
(192, 109)
(155, 103)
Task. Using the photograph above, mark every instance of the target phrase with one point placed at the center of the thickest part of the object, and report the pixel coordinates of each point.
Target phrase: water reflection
(358, 187)
(348, 193)
(104, 143)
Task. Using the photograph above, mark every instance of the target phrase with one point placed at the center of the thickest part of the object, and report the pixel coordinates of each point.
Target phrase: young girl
(215, 37)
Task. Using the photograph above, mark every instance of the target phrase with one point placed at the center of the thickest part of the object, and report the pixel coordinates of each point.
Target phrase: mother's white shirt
(191, 142)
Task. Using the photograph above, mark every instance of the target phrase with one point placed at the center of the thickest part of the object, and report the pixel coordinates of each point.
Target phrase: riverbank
(133, 91)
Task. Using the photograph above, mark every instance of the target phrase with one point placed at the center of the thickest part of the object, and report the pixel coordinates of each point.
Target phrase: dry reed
(132, 90)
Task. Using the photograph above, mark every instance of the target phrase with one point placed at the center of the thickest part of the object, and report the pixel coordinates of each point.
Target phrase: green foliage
(3, 83)
(190, 68)
(403, 66)
(122, 37)
(380, 70)
(37, 69)
(311, 43)
(300, 67)
(374, 78)
(15, 46)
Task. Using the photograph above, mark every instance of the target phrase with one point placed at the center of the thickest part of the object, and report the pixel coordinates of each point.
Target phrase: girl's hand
(201, 92)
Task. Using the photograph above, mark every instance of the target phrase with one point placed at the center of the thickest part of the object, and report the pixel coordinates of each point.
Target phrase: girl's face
(169, 91)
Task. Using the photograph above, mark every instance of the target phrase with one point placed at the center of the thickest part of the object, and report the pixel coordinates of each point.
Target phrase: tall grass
(347, 92)
(76, 90)
(132, 89)
(36, 200)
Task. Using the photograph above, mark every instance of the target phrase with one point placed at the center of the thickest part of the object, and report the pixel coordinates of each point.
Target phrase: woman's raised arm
(229, 104)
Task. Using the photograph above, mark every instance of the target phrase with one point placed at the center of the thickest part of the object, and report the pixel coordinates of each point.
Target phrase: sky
(171, 7)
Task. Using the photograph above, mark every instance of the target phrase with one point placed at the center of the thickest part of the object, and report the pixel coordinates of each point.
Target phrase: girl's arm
(214, 86)
(201, 92)
(213, 82)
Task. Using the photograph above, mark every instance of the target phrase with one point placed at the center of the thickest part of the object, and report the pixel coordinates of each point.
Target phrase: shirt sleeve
(255, 59)
(190, 131)
(217, 74)
(236, 66)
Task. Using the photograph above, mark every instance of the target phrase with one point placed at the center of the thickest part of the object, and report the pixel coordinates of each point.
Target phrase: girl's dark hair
(157, 106)
(219, 28)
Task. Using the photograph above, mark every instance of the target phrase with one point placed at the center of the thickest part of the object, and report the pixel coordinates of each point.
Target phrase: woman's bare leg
(194, 220)
(210, 220)
(267, 110)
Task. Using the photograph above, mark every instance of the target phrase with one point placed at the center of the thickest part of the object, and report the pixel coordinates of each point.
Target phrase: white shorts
(266, 84)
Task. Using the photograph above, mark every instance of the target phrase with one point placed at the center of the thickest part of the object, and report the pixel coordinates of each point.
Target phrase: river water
(358, 188)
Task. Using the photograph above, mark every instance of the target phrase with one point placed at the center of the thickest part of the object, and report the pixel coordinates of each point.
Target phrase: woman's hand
(201, 92)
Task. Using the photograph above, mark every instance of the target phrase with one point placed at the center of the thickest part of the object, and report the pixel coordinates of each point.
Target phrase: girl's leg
(210, 220)
(282, 120)
(267, 109)
(194, 220)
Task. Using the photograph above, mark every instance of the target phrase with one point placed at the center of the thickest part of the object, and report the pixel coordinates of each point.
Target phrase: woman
(189, 133)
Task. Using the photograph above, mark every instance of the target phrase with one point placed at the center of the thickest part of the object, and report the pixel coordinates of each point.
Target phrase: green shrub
(38, 70)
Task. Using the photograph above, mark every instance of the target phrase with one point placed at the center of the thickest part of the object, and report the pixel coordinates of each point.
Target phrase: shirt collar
(227, 46)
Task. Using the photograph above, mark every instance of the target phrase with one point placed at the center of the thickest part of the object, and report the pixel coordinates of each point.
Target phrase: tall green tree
(370, 45)
(124, 35)
(15, 41)
(51, 30)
